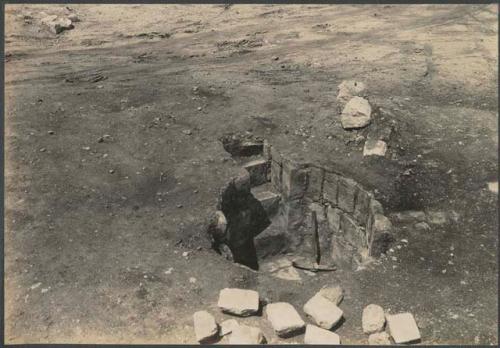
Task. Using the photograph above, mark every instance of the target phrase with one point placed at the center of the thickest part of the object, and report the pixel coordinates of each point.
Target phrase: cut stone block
(284, 319)
(205, 326)
(243, 334)
(294, 215)
(294, 181)
(241, 182)
(228, 326)
(379, 339)
(320, 211)
(348, 89)
(330, 188)
(239, 301)
(346, 194)
(356, 114)
(334, 215)
(333, 294)
(266, 150)
(376, 207)
(316, 335)
(381, 224)
(373, 319)
(403, 328)
(258, 171)
(343, 253)
(352, 232)
(276, 175)
(325, 313)
(314, 189)
(374, 147)
(362, 207)
(269, 200)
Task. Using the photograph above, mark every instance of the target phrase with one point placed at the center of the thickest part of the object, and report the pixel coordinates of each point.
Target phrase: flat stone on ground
(356, 113)
(227, 326)
(284, 319)
(239, 301)
(373, 319)
(403, 328)
(325, 313)
(334, 294)
(243, 334)
(374, 148)
(379, 339)
(205, 326)
(316, 335)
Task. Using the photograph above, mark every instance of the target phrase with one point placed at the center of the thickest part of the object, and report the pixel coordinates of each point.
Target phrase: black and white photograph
(259, 173)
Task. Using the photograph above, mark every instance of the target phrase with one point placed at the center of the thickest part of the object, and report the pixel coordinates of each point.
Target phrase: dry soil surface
(106, 189)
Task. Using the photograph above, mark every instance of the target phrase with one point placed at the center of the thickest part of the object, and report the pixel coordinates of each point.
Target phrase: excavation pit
(268, 211)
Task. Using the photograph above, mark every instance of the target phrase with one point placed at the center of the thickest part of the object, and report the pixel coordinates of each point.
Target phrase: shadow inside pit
(246, 218)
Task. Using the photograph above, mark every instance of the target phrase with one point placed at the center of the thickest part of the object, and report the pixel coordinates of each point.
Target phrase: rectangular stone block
(352, 232)
(269, 201)
(294, 180)
(276, 173)
(346, 194)
(315, 187)
(258, 171)
(294, 214)
(330, 190)
(333, 216)
(266, 151)
(343, 253)
(362, 206)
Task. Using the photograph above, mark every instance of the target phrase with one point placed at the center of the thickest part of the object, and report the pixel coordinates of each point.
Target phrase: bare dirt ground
(96, 228)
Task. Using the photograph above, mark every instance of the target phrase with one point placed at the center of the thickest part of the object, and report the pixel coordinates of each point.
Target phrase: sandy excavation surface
(113, 163)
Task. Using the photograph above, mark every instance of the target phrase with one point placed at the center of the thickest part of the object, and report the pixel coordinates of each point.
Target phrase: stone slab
(325, 313)
(238, 301)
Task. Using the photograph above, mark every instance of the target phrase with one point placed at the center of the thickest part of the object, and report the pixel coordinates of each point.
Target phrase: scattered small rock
(379, 339)
(187, 131)
(284, 319)
(422, 226)
(493, 186)
(34, 286)
(56, 24)
(349, 89)
(192, 280)
(374, 148)
(239, 301)
(436, 217)
(325, 313)
(356, 113)
(316, 335)
(403, 328)
(334, 294)
(43, 149)
(51, 132)
(205, 326)
(409, 216)
(228, 326)
(243, 334)
(373, 319)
